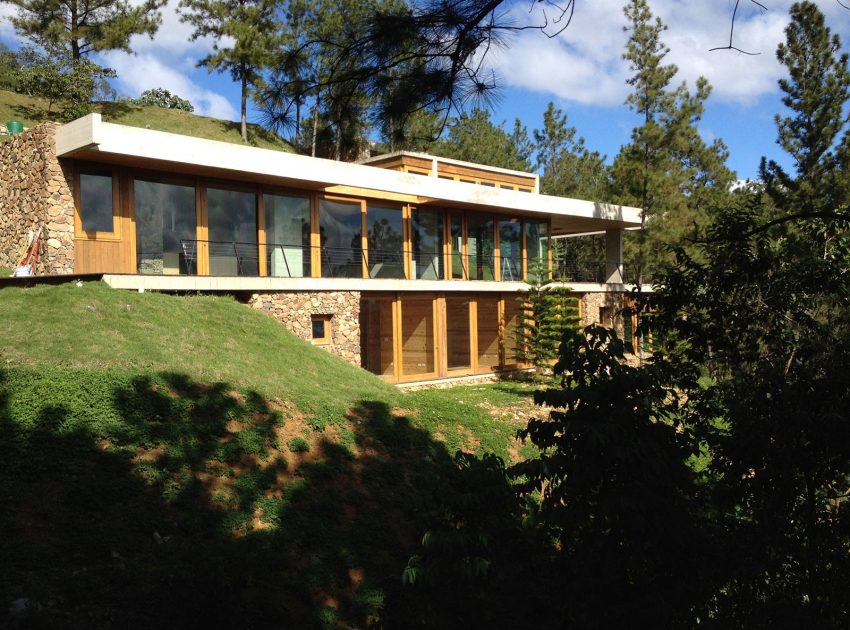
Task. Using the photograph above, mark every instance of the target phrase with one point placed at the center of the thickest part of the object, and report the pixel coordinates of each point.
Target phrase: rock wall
(295, 309)
(35, 191)
(603, 308)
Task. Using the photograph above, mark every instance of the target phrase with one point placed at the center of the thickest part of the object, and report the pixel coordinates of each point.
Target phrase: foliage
(473, 137)
(667, 169)
(76, 28)
(244, 34)
(160, 97)
(71, 84)
(570, 169)
(547, 312)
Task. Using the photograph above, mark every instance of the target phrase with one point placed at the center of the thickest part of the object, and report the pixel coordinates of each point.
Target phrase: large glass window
(456, 235)
(287, 236)
(232, 223)
(385, 239)
(480, 246)
(427, 237)
(417, 336)
(457, 333)
(341, 229)
(165, 228)
(96, 207)
(510, 250)
(537, 247)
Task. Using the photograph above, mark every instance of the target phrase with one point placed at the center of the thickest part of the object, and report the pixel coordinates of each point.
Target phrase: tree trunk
(315, 125)
(244, 104)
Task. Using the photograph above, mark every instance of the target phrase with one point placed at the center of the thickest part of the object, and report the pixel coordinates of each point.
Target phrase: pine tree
(547, 312)
(76, 28)
(474, 138)
(667, 169)
(248, 30)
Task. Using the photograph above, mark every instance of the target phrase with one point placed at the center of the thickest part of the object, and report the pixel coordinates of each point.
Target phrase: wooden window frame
(327, 338)
(91, 235)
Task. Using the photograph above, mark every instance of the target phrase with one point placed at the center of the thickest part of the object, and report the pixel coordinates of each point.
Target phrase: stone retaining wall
(295, 309)
(597, 307)
(35, 191)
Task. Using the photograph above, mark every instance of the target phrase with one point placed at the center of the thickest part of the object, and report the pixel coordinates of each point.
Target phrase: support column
(614, 256)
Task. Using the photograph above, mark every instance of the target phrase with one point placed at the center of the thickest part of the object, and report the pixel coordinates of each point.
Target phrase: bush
(160, 97)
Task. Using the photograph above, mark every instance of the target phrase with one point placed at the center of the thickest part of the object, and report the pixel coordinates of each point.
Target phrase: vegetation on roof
(33, 110)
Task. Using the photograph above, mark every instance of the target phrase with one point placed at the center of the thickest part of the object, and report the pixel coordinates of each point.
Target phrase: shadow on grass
(112, 110)
(159, 502)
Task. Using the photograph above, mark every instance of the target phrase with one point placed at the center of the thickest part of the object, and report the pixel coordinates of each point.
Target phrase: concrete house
(406, 264)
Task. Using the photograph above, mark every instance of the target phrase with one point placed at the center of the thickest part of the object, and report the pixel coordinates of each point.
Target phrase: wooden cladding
(412, 337)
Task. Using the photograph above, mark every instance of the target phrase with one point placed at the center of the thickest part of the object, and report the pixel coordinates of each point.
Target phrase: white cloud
(584, 63)
(6, 30)
(144, 71)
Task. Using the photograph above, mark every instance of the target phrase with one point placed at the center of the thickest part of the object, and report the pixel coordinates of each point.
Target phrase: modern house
(406, 264)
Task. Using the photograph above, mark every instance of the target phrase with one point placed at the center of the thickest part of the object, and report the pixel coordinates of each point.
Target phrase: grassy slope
(211, 468)
(33, 110)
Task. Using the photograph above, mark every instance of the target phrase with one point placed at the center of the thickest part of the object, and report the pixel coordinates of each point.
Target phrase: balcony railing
(296, 261)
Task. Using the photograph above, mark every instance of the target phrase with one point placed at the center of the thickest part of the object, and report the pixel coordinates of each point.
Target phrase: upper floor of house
(160, 204)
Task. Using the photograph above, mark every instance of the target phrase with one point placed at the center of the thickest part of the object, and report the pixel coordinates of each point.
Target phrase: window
(287, 236)
(165, 228)
(537, 246)
(510, 250)
(481, 246)
(426, 227)
(340, 230)
(385, 240)
(232, 220)
(320, 329)
(97, 201)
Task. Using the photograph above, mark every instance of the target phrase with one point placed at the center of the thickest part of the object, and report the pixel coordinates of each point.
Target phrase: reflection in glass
(427, 237)
(340, 231)
(457, 247)
(232, 222)
(165, 228)
(480, 246)
(287, 236)
(537, 246)
(96, 200)
(510, 250)
(385, 240)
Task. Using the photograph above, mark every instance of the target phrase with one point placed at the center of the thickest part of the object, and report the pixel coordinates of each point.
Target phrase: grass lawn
(184, 461)
(34, 110)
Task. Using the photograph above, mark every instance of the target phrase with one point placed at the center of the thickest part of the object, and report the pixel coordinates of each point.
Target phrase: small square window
(321, 329)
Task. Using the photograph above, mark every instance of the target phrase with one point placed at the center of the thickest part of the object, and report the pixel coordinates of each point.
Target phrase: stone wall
(35, 192)
(294, 311)
(603, 308)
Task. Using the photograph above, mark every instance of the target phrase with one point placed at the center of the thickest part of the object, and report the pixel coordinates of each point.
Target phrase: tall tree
(474, 138)
(77, 28)
(569, 168)
(244, 33)
(667, 169)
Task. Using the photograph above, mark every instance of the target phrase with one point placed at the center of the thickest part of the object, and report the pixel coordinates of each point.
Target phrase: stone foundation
(295, 310)
(35, 192)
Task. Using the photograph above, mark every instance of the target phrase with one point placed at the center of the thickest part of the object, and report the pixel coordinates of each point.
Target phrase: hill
(182, 461)
(34, 110)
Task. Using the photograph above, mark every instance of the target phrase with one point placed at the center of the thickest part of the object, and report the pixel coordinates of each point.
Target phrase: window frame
(325, 319)
(95, 235)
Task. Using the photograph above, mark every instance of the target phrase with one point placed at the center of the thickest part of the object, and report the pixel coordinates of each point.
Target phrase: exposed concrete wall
(35, 191)
(295, 309)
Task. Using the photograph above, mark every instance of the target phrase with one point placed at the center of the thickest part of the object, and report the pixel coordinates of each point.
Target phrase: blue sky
(580, 69)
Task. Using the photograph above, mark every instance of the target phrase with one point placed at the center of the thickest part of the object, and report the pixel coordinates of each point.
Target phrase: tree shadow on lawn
(182, 511)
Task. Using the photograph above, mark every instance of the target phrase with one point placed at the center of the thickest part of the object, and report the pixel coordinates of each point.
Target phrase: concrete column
(614, 256)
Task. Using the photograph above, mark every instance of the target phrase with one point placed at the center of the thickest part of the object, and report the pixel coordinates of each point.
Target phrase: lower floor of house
(421, 336)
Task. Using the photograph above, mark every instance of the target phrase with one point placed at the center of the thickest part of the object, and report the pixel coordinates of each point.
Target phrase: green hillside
(175, 461)
(34, 110)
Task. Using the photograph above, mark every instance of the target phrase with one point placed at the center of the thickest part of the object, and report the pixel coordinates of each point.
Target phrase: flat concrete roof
(89, 138)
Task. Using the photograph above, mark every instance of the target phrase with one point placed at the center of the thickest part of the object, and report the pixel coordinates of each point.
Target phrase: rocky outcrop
(295, 311)
(35, 192)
